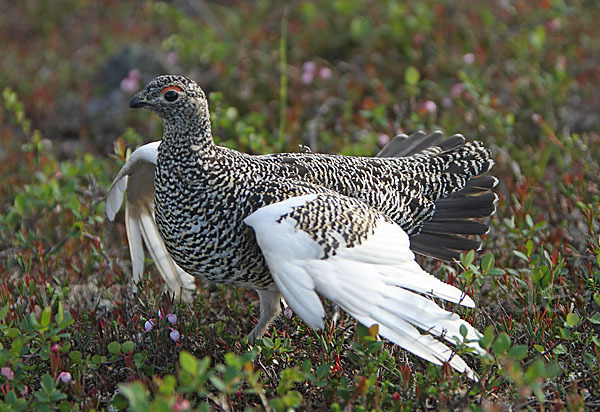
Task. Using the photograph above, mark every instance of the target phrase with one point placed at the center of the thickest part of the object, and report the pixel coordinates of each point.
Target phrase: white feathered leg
(269, 309)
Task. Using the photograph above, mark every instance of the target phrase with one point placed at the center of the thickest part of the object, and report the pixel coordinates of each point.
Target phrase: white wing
(136, 178)
(377, 282)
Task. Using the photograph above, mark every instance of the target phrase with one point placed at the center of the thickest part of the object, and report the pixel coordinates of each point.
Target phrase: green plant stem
(283, 77)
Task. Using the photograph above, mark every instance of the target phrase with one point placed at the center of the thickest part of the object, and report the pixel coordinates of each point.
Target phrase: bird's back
(201, 212)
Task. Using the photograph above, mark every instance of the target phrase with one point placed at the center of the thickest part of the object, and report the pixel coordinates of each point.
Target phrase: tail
(465, 196)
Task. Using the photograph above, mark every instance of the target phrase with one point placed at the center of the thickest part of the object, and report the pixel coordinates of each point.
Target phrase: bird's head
(173, 98)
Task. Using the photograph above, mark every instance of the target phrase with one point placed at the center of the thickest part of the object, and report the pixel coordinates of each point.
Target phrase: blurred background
(357, 71)
(340, 76)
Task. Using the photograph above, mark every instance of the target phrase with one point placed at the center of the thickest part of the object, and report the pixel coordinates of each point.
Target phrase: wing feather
(377, 281)
(136, 180)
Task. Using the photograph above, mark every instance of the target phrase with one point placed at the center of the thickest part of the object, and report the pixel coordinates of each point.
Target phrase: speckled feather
(203, 192)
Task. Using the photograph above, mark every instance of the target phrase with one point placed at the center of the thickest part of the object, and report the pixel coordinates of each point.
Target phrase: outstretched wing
(136, 179)
(361, 260)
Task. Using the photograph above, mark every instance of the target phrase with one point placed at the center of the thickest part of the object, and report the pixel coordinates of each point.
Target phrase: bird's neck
(189, 140)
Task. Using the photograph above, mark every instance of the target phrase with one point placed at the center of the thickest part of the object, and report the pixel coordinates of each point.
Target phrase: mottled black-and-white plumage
(300, 223)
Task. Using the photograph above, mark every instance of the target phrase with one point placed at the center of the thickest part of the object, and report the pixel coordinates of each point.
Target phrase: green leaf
(65, 406)
(487, 262)
(502, 343)
(529, 222)
(560, 349)
(374, 331)
(463, 331)
(218, 383)
(323, 371)
(467, 258)
(411, 76)
(590, 359)
(47, 383)
(20, 203)
(518, 352)
(61, 314)
(160, 405)
(12, 332)
(75, 356)
(140, 358)
(137, 395)
(537, 38)
(267, 342)
(46, 316)
(292, 399)
(488, 337)
(495, 272)
(128, 347)
(74, 205)
(520, 255)
(167, 385)
(114, 348)
(188, 362)
(306, 366)
(596, 318)
(3, 312)
(573, 319)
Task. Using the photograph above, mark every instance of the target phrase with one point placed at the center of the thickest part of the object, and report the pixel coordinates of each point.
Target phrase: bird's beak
(137, 102)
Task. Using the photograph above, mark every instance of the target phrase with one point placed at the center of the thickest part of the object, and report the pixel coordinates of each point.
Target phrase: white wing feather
(136, 179)
(375, 282)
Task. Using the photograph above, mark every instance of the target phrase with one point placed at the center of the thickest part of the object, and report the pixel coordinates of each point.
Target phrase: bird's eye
(171, 95)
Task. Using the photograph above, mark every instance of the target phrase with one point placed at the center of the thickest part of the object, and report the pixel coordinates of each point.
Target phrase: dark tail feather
(451, 142)
(464, 207)
(403, 145)
(477, 185)
(459, 227)
(442, 246)
(444, 236)
(422, 247)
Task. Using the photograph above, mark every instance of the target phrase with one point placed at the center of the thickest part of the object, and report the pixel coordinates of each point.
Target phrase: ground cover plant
(342, 76)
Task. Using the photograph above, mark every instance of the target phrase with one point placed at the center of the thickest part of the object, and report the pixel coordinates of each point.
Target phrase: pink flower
(429, 106)
(174, 334)
(536, 118)
(65, 377)
(553, 25)
(288, 312)
(309, 67)
(469, 58)
(172, 58)
(47, 143)
(307, 77)
(8, 373)
(172, 318)
(325, 73)
(383, 139)
(309, 70)
(457, 90)
(149, 325)
(54, 348)
(181, 405)
(132, 82)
